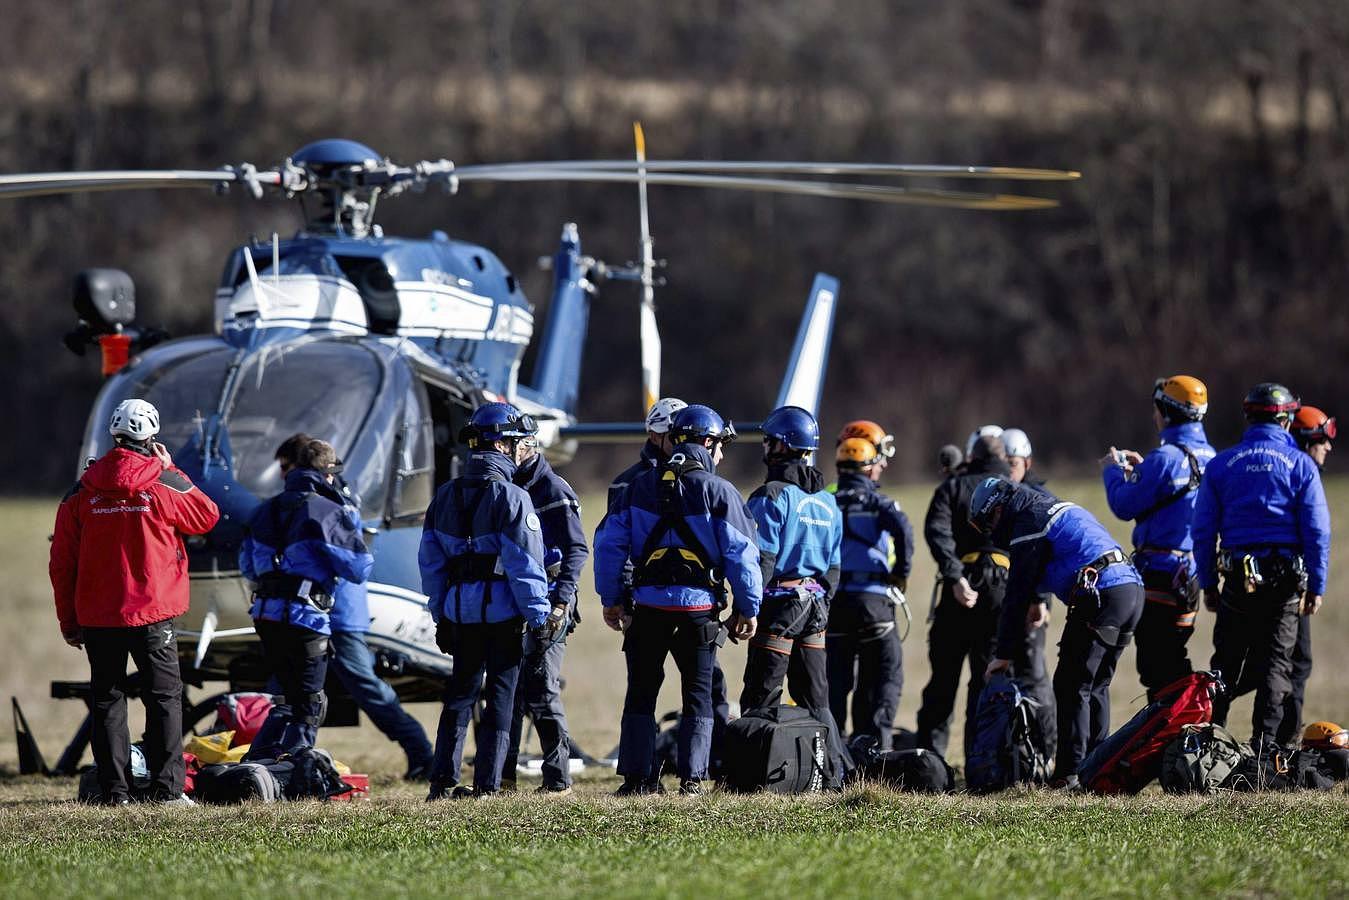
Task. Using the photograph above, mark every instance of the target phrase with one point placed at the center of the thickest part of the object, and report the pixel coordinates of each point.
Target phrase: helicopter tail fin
(804, 379)
(557, 374)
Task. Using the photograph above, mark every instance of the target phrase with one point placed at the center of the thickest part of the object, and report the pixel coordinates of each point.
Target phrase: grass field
(868, 842)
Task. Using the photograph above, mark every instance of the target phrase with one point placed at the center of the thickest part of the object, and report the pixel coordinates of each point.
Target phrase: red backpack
(243, 714)
(1126, 761)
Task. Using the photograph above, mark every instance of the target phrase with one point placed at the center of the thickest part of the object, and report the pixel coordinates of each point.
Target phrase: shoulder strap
(290, 507)
(1192, 485)
(466, 510)
(852, 499)
(671, 509)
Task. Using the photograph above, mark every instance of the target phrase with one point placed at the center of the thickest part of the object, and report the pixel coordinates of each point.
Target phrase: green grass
(867, 842)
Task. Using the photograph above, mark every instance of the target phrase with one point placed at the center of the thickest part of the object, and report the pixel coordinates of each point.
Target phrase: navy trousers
(494, 650)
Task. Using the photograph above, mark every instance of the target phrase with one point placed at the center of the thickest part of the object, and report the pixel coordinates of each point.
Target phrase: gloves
(554, 626)
(900, 582)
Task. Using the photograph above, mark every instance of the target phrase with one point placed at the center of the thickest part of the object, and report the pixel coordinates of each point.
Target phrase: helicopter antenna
(650, 334)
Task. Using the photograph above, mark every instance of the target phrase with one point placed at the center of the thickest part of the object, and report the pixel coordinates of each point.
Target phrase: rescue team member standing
(654, 452)
(482, 569)
(539, 690)
(972, 573)
(119, 573)
(800, 530)
(1314, 431)
(1059, 548)
(685, 531)
(1263, 498)
(865, 656)
(301, 545)
(1158, 492)
(351, 660)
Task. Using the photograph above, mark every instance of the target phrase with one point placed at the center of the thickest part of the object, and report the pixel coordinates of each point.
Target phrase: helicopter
(384, 346)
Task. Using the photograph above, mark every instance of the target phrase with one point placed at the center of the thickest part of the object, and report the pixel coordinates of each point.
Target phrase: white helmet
(662, 414)
(1017, 443)
(134, 419)
(981, 431)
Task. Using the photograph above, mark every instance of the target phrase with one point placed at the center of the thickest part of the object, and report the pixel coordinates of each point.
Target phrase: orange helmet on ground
(1311, 426)
(1325, 735)
(1181, 397)
(856, 453)
(868, 431)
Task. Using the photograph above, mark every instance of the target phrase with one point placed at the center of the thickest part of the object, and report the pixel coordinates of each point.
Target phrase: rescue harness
(1196, 475)
(664, 565)
(283, 585)
(471, 566)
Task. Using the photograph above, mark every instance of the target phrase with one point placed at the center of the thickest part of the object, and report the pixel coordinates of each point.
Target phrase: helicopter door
(449, 414)
(414, 460)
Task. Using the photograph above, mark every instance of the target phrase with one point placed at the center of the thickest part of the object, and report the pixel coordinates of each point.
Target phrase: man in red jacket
(119, 572)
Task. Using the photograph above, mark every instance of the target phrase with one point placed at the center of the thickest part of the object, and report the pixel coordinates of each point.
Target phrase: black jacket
(947, 527)
(559, 512)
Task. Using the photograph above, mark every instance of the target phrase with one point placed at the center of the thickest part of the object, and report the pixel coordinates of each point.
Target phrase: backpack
(138, 779)
(1201, 759)
(1006, 738)
(225, 783)
(243, 714)
(1127, 760)
(782, 749)
(916, 770)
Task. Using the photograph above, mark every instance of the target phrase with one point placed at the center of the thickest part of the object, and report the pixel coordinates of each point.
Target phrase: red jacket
(117, 555)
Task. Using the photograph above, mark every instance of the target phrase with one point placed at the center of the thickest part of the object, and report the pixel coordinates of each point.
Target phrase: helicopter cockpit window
(186, 391)
(324, 388)
(413, 486)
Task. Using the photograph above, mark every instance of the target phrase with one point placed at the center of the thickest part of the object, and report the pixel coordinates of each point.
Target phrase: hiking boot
(439, 791)
(555, 790)
(418, 770)
(464, 792)
(180, 800)
(508, 786)
(636, 787)
(690, 788)
(1066, 783)
(115, 801)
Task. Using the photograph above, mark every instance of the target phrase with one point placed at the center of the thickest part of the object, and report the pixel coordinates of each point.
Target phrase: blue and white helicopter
(384, 346)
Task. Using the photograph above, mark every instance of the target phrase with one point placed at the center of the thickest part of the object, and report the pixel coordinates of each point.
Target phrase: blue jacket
(322, 542)
(503, 525)
(648, 459)
(1050, 541)
(877, 537)
(559, 512)
(1144, 494)
(351, 612)
(800, 529)
(1263, 493)
(714, 513)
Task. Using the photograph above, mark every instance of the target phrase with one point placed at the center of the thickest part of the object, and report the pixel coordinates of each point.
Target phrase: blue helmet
(794, 427)
(498, 422)
(695, 422)
(987, 503)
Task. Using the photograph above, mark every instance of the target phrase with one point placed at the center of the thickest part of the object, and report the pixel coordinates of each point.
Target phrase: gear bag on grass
(913, 769)
(1281, 769)
(243, 714)
(1127, 760)
(1201, 759)
(1007, 733)
(782, 749)
(225, 783)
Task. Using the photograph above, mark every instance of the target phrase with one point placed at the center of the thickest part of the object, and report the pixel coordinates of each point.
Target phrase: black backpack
(915, 770)
(782, 749)
(1278, 769)
(226, 783)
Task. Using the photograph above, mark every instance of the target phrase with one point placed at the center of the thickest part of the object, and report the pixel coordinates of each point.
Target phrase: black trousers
(154, 649)
(957, 634)
(538, 692)
(1253, 642)
(298, 659)
(1290, 729)
(866, 659)
(1094, 637)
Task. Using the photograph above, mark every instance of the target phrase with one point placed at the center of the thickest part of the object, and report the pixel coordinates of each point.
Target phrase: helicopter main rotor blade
(895, 170)
(871, 192)
(42, 184)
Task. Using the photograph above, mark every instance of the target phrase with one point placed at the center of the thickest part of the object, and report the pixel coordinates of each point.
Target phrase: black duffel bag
(782, 749)
(917, 770)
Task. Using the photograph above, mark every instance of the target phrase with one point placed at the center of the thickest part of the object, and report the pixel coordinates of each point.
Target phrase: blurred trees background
(1208, 234)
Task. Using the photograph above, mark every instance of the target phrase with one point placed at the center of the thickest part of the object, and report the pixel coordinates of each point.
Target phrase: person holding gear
(538, 690)
(800, 531)
(654, 453)
(1158, 492)
(1314, 431)
(1263, 499)
(482, 565)
(684, 531)
(351, 659)
(1059, 548)
(301, 544)
(119, 576)
(862, 642)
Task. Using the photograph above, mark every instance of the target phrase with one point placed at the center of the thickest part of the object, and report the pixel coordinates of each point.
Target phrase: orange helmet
(1311, 426)
(856, 453)
(1181, 396)
(1325, 735)
(868, 431)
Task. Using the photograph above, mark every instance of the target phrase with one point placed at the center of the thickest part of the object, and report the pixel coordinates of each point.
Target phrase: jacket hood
(490, 464)
(651, 453)
(122, 469)
(312, 480)
(532, 471)
(1184, 433)
(797, 472)
(856, 481)
(698, 453)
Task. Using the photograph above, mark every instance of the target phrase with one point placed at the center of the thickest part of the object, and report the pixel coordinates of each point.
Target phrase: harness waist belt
(1000, 559)
(285, 586)
(467, 567)
(1110, 558)
(805, 581)
(1182, 554)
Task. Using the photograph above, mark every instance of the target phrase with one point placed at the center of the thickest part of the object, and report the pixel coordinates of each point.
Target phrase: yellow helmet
(1325, 735)
(1181, 397)
(856, 453)
(868, 431)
